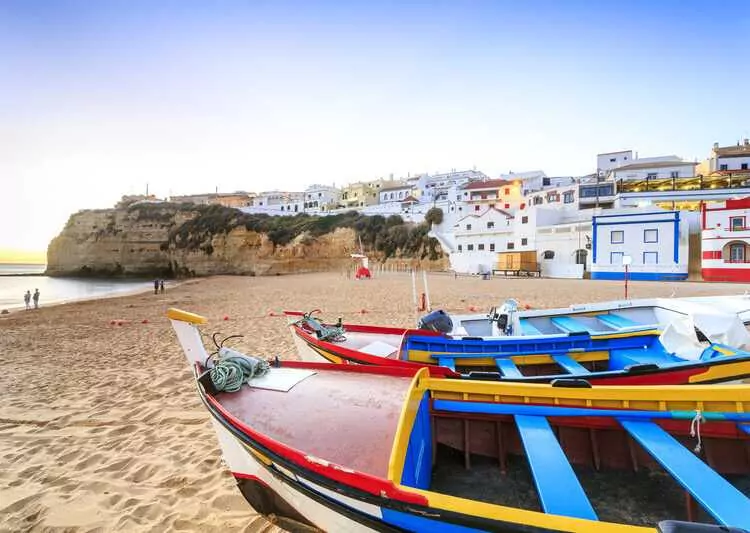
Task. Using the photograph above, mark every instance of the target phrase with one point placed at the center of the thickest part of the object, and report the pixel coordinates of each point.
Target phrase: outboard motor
(503, 317)
(436, 321)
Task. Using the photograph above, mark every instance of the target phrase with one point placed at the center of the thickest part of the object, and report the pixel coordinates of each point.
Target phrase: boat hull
(716, 370)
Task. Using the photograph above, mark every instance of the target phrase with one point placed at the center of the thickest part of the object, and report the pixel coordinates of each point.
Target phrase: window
(617, 237)
(650, 258)
(538, 200)
(468, 227)
(507, 192)
(615, 258)
(548, 254)
(524, 220)
(476, 208)
(736, 223)
(568, 197)
(492, 247)
(490, 225)
(674, 174)
(743, 166)
(470, 247)
(650, 235)
(480, 247)
(737, 253)
(458, 197)
(612, 159)
(552, 197)
(460, 248)
(524, 241)
(723, 167)
(511, 246)
(507, 206)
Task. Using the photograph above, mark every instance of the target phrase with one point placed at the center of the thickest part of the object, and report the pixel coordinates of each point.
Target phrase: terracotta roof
(653, 164)
(733, 151)
(409, 200)
(480, 215)
(488, 184)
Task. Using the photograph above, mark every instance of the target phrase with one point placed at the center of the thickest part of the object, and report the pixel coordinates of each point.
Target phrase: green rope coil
(231, 369)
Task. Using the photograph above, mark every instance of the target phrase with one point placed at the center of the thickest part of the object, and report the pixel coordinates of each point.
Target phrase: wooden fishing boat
(365, 448)
(642, 343)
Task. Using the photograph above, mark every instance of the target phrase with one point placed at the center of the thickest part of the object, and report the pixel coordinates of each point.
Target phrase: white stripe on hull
(241, 461)
(306, 353)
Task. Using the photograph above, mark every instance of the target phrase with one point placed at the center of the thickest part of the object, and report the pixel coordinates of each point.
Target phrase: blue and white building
(655, 241)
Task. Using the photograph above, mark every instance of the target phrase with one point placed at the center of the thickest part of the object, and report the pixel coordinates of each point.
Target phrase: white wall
(632, 228)
(683, 171)
(733, 163)
(605, 162)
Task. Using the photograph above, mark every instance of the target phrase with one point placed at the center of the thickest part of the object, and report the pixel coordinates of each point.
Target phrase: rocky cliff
(181, 240)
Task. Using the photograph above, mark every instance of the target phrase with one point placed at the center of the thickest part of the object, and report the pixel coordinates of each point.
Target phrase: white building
(478, 238)
(726, 241)
(533, 180)
(321, 198)
(654, 171)
(655, 241)
(278, 202)
(730, 158)
(445, 186)
(609, 160)
(394, 193)
(559, 197)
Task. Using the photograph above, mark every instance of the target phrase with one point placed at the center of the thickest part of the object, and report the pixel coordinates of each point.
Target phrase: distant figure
(161, 286)
(36, 298)
(27, 299)
(156, 286)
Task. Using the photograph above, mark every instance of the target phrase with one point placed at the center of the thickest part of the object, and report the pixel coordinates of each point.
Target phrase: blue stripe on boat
(559, 489)
(724, 502)
(527, 328)
(744, 427)
(570, 365)
(412, 522)
(457, 406)
(508, 367)
(571, 325)
(617, 321)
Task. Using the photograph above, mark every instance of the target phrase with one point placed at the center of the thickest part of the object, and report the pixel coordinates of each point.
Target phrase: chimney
(746, 142)
(716, 146)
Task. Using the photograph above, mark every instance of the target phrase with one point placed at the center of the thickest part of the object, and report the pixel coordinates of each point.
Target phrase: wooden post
(414, 289)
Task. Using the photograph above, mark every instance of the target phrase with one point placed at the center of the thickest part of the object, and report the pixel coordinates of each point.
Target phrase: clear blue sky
(98, 98)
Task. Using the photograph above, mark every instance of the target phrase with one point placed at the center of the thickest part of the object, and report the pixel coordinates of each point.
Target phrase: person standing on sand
(36, 298)
(161, 286)
(27, 299)
(156, 286)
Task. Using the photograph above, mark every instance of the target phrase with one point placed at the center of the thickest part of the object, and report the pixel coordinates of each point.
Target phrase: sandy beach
(101, 430)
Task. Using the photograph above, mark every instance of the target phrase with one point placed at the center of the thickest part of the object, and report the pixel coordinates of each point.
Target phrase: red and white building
(726, 240)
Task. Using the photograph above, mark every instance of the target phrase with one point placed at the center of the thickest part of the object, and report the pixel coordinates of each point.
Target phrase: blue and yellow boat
(367, 448)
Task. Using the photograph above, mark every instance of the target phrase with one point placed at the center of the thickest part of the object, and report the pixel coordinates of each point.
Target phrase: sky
(99, 99)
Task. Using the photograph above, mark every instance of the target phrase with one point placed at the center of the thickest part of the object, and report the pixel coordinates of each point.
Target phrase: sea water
(16, 279)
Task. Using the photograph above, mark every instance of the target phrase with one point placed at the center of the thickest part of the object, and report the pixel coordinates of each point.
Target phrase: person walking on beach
(156, 286)
(36, 298)
(161, 286)
(27, 299)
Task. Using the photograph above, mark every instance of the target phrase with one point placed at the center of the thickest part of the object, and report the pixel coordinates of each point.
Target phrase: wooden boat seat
(570, 325)
(527, 328)
(717, 496)
(559, 490)
(507, 367)
(570, 365)
(617, 321)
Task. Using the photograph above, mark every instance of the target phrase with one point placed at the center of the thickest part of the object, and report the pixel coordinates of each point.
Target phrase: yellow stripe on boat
(405, 425)
(726, 398)
(722, 372)
(325, 354)
(521, 516)
(640, 333)
(185, 316)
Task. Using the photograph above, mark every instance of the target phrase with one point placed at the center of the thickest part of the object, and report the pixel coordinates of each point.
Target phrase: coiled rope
(229, 369)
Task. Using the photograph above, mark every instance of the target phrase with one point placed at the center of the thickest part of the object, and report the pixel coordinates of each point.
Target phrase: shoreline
(13, 310)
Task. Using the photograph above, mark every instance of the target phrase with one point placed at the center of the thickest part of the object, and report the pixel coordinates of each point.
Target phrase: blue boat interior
(532, 457)
(577, 353)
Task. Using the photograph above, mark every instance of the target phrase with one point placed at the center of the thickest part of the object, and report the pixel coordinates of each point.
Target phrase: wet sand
(101, 430)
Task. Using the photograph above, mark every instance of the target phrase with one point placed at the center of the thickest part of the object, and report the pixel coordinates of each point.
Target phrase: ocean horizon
(17, 278)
